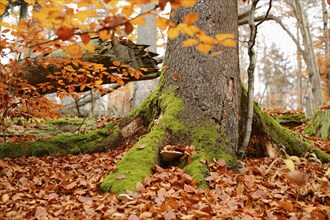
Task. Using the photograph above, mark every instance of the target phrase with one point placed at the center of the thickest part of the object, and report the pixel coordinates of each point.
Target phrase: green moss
(137, 164)
(66, 121)
(290, 119)
(319, 125)
(323, 156)
(197, 170)
(94, 141)
(294, 143)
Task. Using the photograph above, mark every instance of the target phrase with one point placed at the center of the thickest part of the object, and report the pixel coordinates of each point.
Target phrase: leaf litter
(66, 187)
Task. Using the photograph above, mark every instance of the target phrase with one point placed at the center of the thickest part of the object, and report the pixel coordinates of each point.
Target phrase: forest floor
(66, 187)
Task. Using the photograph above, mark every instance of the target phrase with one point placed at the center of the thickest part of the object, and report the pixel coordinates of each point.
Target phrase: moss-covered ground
(94, 141)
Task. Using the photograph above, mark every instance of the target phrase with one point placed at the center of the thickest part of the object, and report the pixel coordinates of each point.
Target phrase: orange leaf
(190, 42)
(229, 43)
(138, 20)
(173, 33)
(116, 63)
(188, 3)
(221, 37)
(162, 23)
(104, 35)
(85, 38)
(65, 33)
(287, 205)
(191, 18)
(204, 48)
(208, 40)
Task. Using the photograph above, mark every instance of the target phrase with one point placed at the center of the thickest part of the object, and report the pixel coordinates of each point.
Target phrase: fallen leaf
(121, 176)
(287, 205)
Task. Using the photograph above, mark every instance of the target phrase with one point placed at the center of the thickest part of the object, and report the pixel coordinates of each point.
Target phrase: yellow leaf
(186, 29)
(104, 35)
(217, 53)
(289, 164)
(208, 40)
(190, 42)
(99, 5)
(191, 18)
(221, 37)
(204, 48)
(188, 3)
(162, 23)
(3, 5)
(90, 48)
(98, 82)
(138, 21)
(229, 43)
(84, 14)
(173, 33)
(128, 10)
(4, 24)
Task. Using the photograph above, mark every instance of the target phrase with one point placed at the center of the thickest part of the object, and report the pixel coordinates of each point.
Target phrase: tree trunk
(202, 105)
(314, 75)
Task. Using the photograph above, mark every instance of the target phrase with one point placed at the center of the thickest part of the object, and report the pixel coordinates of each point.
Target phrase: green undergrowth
(94, 141)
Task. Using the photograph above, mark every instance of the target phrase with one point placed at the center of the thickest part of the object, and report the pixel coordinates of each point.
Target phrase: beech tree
(199, 102)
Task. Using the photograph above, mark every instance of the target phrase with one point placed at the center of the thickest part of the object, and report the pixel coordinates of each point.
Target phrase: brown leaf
(128, 28)
(169, 215)
(70, 186)
(40, 212)
(297, 177)
(121, 176)
(5, 198)
(287, 205)
(140, 187)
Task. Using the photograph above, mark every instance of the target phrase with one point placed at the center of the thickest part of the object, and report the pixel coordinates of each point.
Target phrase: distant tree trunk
(299, 75)
(326, 44)
(313, 71)
(147, 34)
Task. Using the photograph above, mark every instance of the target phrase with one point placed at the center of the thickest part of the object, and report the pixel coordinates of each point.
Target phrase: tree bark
(204, 105)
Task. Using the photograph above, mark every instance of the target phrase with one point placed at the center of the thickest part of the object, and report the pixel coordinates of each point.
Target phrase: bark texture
(209, 86)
